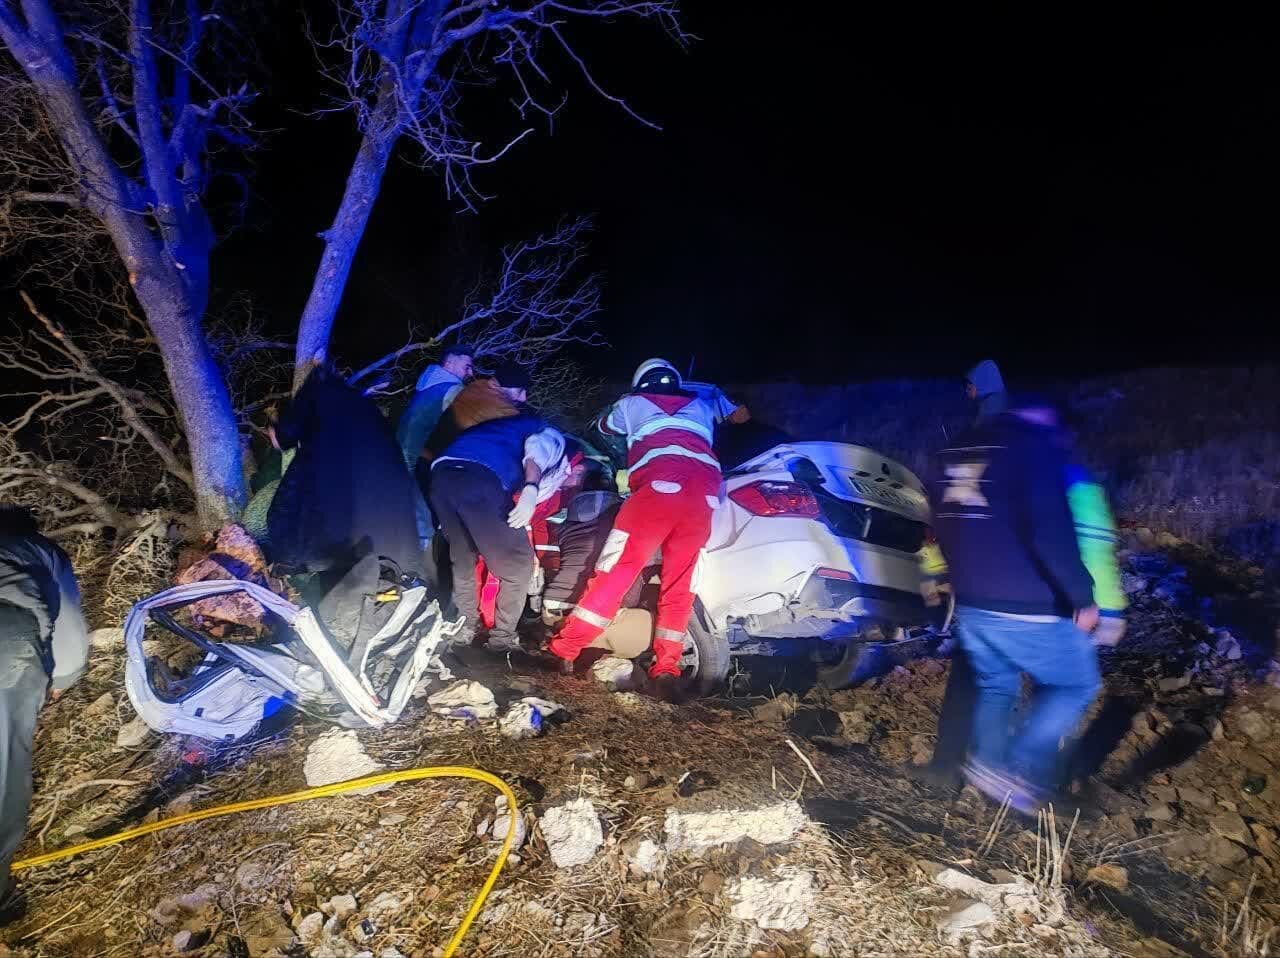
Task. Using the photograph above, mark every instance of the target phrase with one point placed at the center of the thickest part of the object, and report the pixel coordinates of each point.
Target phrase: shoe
(13, 904)
(502, 644)
(1000, 786)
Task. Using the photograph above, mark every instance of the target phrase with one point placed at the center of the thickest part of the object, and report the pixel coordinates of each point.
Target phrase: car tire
(712, 650)
(857, 652)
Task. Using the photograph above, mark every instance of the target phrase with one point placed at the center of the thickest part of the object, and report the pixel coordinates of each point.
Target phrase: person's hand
(271, 436)
(740, 415)
(1087, 619)
(527, 501)
(1110, 631)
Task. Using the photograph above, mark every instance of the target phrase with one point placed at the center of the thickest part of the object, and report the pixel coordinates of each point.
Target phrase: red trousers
(678, 523)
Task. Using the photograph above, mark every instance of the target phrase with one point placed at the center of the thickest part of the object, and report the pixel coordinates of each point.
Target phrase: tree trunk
(171, 287)
(341, 240)
(208, 418)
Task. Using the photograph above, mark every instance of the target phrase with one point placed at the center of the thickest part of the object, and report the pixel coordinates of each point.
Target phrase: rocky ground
(774, 821)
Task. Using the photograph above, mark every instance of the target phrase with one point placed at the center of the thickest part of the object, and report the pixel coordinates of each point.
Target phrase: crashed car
(229, 688)
(814, 550)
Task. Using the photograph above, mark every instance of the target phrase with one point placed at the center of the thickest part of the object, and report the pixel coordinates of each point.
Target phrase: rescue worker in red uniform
(674, 478)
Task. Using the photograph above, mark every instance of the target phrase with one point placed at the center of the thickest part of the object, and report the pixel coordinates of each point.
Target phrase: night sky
(882, 192)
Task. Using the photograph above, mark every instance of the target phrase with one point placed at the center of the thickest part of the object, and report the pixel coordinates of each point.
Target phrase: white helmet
(649, 365)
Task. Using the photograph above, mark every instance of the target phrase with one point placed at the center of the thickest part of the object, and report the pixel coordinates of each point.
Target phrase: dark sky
(891, 190)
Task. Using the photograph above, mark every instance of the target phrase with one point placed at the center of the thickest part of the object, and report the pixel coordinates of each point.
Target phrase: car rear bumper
(861, 600)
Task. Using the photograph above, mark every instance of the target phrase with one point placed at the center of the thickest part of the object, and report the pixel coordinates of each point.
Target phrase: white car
(814, 550)
(815, 541)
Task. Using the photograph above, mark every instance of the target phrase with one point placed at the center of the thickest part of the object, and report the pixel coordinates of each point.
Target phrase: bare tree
(402, 66)
(105, 383)
(539, 301)
(131, 95)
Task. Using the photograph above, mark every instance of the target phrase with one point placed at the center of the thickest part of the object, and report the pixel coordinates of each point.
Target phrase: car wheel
(858, 653)
(706, 659)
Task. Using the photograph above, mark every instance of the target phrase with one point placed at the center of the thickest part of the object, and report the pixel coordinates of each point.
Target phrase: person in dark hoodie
(43, 649)
(1024, 599)
(474, 483)
(346, 493)
(985, 386)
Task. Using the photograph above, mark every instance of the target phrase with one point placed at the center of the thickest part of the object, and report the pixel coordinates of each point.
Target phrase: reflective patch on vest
(612, 550)
(665, 486)
(964, 481)
(671, 635)
(591, 618)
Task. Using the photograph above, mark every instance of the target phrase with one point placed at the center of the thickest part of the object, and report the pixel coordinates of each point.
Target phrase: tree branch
(128, 411)
(59, 199)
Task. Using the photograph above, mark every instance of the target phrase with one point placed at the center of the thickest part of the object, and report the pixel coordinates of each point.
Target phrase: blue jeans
(1063, 667)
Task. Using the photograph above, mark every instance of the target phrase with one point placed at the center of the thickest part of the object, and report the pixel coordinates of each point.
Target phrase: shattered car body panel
(229, 692)
(851, 556)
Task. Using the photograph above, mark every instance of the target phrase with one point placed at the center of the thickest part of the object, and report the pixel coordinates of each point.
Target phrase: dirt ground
(1183, 811)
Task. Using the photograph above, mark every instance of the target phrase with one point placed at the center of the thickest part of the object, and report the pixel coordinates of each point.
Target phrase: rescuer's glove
(526, 502)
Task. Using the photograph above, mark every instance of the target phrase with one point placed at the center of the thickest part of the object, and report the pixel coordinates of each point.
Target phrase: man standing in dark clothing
(43, 644)
(347, 493)
(474, 482)
(985, 386)
(1024, 600)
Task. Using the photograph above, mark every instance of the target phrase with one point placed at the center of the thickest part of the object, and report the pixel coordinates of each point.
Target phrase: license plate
(882, 493)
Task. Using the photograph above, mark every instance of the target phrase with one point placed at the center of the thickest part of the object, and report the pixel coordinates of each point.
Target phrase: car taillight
(766, 498)
(826, 573)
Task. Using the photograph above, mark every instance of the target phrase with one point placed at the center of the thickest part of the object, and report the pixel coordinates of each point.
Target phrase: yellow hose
(320, 791)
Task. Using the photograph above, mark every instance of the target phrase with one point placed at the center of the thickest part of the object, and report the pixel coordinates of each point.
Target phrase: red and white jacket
(669, 437)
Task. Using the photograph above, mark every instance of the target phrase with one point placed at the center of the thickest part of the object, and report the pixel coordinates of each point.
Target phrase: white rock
(182, 941)
(617, 673)
(104, 640)
(1227, 646)
(647, 859)
(502, 822)
(384, 909)
(132, 733)
(337, 756)
(979, 890)
(965, 918)
(573, 832)
(310, 929)
(784, 903)
(340, 907)
(770, 825)
(464, 699)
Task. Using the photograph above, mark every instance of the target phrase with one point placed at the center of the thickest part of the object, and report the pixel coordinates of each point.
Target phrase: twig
(66, 914)
(996, 824)
(807, 763)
